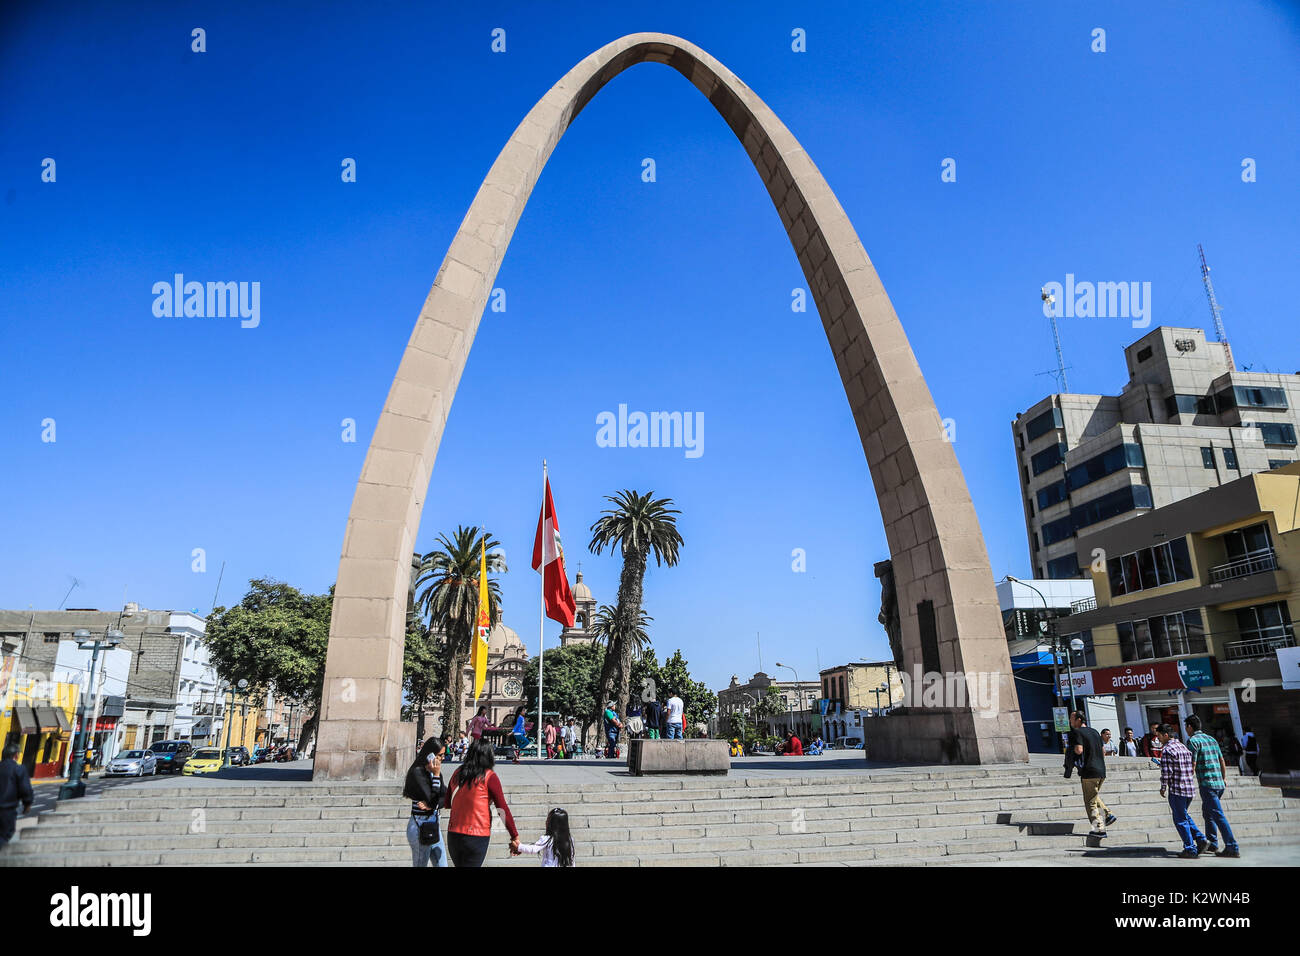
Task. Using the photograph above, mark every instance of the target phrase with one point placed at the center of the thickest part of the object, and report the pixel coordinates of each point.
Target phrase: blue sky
(176, 434)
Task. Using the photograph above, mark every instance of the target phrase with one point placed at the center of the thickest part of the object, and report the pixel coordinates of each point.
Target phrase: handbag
(429, 834)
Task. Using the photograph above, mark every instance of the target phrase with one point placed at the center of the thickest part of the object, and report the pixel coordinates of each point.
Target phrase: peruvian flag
(548, 557)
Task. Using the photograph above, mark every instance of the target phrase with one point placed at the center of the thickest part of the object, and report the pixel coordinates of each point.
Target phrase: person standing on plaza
(472, 792)
(550, 740)
(1108, 748)
(1084, 752)
(1149, 746)
(1211, 769)
(612, 726)
(424, 788)
(15, 788)
(519, 732)
(1128, 747)
(1178, 783)
(570, 738)
(477, 724)
(650, 713)
(1250, 749)
(676, 717)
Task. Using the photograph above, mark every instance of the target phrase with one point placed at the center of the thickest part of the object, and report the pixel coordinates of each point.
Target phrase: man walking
(1250, 746)
(1178, 783)
(1211, 769)
(15, 788)
(1084, 753)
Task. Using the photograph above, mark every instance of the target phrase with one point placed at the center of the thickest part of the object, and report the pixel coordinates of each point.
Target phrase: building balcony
(1087, 604)
(1242, 567)
(1256, 647)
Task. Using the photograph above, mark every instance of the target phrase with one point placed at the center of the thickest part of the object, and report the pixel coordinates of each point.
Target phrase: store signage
(1189, 673)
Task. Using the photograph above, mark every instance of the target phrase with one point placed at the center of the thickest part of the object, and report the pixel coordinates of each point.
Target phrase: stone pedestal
(678, 756)
(364, 750)
(952, 736)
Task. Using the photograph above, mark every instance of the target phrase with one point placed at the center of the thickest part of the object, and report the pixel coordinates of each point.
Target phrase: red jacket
(471, 807)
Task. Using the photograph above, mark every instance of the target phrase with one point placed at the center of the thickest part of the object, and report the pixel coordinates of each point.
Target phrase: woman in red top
(471, 793)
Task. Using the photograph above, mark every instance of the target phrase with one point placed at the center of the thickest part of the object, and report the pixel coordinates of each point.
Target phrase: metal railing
(1087, 604)
(1258, 647)
(1252, 564)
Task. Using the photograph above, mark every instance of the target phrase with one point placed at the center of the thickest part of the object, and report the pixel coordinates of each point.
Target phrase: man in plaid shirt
(1210, 771)
(1178, 782)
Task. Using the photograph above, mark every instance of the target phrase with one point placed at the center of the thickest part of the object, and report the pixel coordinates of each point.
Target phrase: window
(1265, 622)
(1040, 425)
(1058, 530)
(1053, 494)
(1207, 457)
(1144, 354)
(1168, 635)
(1245, 543)
(1066, 567)
(1278, 433)
(1165, 563)
(1048, 458)
(1108, 506)
(1251, 397)
(1278, 463)
(1087, 657)
(1107, 463)
(1230, 458)
(1183, 405)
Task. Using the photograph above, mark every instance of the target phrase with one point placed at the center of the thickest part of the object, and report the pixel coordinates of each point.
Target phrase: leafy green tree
(650, 678)
(423, 672)
(769, 707)
(639, 526)
(275, 637)
(572, 676)
(447, 598)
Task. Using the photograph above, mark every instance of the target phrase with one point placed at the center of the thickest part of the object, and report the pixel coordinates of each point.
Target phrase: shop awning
(25, 719)
(47, 718)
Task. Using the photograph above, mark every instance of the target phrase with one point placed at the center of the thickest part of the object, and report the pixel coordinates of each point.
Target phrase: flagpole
(541, 625)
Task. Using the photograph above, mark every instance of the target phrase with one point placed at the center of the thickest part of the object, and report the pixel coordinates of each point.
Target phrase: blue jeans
(1216, 819)
(435, 854)
(674, 731)
(1183, 820)
(611, 742)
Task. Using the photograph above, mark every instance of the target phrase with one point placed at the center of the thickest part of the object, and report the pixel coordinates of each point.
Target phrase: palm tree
(639, 525)
(447, 597)
(605, 627)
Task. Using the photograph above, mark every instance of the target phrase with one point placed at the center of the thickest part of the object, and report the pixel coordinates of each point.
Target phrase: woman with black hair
(472, 792)
(519, 733)
(424, 788)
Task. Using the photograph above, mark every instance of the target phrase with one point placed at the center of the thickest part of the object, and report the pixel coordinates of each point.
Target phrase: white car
(846, 743)
(132, 763)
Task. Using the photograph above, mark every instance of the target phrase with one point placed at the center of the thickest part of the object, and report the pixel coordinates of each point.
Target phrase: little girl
(556, 848)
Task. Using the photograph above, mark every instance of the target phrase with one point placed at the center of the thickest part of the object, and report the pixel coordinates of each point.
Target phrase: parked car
(239, 757)
(171, 755)
(206, 760)
(846, 743)
(132, 763)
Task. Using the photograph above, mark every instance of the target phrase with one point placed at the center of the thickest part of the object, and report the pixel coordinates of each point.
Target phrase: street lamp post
(796, 691)
(1051, 631)
(75, 787)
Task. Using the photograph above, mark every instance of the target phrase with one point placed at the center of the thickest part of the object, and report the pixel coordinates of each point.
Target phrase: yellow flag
(480, 654)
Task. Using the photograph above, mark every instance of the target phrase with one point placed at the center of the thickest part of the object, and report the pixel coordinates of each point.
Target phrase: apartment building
(1185, 421)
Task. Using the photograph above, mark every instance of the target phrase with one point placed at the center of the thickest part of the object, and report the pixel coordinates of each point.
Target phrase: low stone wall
(678, 756)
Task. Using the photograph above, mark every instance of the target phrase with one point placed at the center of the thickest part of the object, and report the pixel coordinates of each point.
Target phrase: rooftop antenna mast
(1215, 312)
(1048, 300)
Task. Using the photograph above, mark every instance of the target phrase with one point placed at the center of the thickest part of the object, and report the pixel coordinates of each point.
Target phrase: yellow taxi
(207, 760)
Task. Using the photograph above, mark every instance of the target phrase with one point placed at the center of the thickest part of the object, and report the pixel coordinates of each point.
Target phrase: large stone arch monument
(948, 609)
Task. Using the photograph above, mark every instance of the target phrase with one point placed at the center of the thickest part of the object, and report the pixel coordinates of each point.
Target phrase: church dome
(580, 591)
(502, 637)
